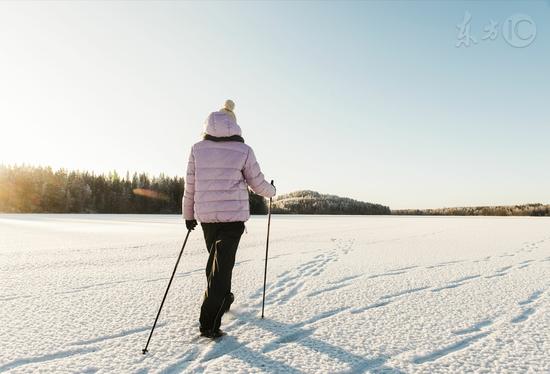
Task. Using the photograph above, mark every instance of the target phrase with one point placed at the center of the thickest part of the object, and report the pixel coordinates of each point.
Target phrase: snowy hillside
(312, 202)
(345, 294)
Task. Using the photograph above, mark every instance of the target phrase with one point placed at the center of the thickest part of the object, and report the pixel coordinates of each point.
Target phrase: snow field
(345, 294)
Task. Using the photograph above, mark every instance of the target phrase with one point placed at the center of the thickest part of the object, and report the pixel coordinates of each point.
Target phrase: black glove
(190, 224)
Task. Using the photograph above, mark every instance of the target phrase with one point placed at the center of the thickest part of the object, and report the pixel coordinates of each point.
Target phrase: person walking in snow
(220, 168)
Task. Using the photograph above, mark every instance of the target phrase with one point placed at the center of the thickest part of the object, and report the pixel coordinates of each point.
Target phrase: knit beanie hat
(228, 108)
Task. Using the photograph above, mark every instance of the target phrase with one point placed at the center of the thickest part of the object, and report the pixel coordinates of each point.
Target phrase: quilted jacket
(219, 172)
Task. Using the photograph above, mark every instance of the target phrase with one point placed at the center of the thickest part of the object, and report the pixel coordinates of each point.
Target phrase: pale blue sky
(369, 100)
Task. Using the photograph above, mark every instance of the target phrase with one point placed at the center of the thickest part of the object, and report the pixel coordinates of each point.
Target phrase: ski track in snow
(354, 303)
(44, 358)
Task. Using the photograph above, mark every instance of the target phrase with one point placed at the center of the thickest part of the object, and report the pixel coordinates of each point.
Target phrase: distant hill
(507, 210)
(311, 202)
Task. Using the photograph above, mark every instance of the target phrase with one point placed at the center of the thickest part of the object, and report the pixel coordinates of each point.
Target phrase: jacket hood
(220, 124)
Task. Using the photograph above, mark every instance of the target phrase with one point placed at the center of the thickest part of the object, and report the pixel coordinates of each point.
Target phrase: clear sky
(371, 100)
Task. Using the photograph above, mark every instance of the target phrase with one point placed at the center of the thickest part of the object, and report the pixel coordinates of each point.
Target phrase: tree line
(311, 202)
(29, 189)
(512, 210)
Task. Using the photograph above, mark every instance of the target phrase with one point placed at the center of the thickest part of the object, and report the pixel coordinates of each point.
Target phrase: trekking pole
(144, 350)
(266, 250)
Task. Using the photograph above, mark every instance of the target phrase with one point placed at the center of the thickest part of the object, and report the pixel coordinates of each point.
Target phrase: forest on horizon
(535, 209)
(31, 189)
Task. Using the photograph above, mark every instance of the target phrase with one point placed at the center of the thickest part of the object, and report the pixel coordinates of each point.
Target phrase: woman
(220, 169)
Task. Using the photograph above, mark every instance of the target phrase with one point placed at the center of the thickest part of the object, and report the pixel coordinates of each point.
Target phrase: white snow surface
(79, 293)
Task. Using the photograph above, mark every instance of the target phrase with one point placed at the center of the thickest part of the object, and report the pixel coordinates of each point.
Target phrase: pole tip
(144, 351)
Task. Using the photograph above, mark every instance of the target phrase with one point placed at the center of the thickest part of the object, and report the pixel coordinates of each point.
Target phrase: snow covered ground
(78, 293)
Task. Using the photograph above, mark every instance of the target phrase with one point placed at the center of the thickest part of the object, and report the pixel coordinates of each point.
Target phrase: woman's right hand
(190, 224)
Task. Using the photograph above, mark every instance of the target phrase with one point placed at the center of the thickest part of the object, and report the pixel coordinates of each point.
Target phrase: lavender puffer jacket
(218, 173)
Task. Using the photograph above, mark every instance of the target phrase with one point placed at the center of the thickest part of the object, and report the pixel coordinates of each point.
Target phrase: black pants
(222, 240)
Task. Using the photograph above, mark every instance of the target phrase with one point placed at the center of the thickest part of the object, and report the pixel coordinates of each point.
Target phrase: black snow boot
(212, 334)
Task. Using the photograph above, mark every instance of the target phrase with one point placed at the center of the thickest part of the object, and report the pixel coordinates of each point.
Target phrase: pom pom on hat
(229, 105)
(228, 108)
